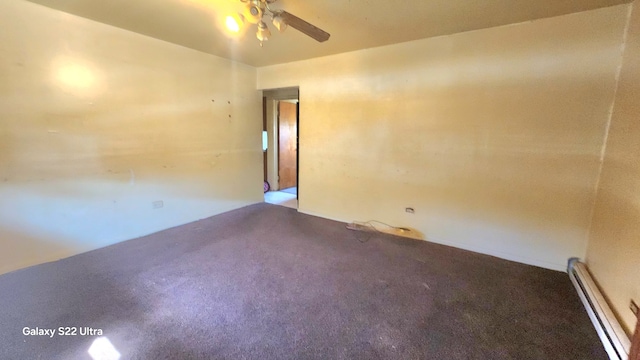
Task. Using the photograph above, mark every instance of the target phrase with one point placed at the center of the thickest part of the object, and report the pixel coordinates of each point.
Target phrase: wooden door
(287, 140)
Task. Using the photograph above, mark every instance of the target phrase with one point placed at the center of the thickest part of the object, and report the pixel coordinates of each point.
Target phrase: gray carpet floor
(266, 282)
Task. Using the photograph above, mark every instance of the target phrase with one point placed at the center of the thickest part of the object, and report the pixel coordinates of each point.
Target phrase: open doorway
(281, 158)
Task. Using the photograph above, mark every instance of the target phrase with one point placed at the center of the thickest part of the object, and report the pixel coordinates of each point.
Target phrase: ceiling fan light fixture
(234, 23)
(263, 33)
(279, 23)
(254, 11)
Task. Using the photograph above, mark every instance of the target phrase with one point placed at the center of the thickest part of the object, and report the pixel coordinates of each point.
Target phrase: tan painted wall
(96, 123)
(613, 254)
(493, 136)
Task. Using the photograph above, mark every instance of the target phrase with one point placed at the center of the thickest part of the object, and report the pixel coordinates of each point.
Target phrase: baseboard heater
(615, 340)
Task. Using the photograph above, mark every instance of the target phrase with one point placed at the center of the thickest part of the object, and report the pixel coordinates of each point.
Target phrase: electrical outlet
(634, 307)
(409, 210)
(158, 204)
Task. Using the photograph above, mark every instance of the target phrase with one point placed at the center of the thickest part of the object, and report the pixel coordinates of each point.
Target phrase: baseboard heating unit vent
(613, 337)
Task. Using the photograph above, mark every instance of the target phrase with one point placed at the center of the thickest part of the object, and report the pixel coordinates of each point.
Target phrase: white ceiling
(353, 24)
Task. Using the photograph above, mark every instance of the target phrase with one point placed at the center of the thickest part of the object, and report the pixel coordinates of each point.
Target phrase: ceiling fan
(255, 11)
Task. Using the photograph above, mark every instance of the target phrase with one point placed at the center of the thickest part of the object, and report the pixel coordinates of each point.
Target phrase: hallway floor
(281, 198)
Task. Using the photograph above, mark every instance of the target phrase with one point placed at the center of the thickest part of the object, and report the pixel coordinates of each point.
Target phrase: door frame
(272, 97)
(298, 148)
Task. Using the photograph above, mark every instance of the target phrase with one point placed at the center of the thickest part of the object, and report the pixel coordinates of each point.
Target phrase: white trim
(614, 339)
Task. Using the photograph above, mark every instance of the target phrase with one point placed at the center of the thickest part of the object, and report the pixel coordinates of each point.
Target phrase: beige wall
(493, 136)
(614, 244)
(97, 123)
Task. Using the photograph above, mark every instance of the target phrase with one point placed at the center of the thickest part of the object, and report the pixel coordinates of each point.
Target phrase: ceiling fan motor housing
(253, 12)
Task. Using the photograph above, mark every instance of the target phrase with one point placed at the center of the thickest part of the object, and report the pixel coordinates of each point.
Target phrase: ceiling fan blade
(305, 27)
